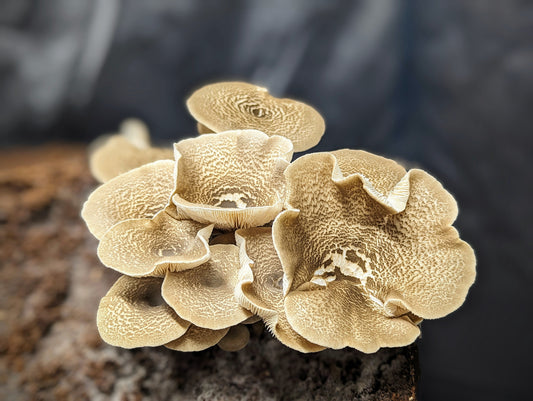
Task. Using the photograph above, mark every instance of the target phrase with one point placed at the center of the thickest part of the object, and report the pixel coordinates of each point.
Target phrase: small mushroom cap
(139, 193)
(197, 339)
(236, 339)
(233, 179)
(260, 286)
(128, 317)
(142, 247)
(238, 105)
(410, 261)
(125, 151)
(205, 295)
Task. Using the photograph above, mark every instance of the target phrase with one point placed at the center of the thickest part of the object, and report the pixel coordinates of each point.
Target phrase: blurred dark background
(446, 84)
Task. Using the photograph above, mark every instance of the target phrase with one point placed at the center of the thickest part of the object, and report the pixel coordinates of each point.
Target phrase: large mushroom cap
(238, 105)
(387, 259)
(132, 314)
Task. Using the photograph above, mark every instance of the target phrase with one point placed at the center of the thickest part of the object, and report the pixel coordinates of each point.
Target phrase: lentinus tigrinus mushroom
(228, 106)
(116, 154)
(151, 247)
(357, 272)
(236, 339)
(139, 193)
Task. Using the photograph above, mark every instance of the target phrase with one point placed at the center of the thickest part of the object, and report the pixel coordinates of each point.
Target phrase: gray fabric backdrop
(447, 84)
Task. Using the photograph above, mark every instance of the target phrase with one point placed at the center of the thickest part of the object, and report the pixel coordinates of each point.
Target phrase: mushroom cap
(238, 105)
(125, 151)
(232, 179)
(342, 316)
(260, 286)
(142, 247)
(197, 339)
(408, 262)
(205, 295)
(236, 339)
(128, 317)
(139, 193)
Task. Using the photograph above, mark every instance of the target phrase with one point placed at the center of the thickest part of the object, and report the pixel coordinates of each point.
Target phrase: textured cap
(205, 295)
(139, 193)
(405, 263)
(132, 315)
(260, 286)
(232, 179)
(238, 105)
(142, 247)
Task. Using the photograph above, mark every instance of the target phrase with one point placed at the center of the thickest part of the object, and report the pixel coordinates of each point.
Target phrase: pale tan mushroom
(345, 244)
(236, 339)
(197, 339)
(232, 179)
(205, 295)
(260, 286)
(133, 315)
(202, 129)
(238, 105)
(151, 247)
(117, 154)
(139, 193)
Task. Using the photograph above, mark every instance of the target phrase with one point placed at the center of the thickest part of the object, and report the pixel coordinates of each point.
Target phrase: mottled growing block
(51, 282)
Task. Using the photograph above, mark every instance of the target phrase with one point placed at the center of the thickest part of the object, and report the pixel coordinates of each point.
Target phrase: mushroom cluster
(335, 249)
